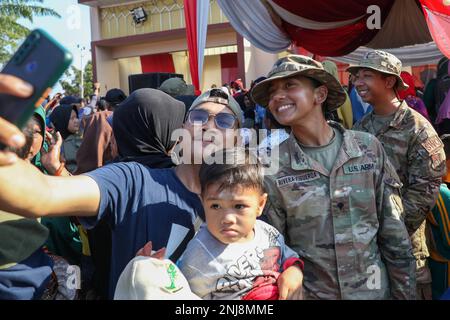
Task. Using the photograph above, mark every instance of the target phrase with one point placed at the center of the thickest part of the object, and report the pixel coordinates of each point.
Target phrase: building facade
(120, 47)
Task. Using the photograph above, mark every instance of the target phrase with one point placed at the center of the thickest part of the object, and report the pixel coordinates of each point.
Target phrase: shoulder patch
(432, 144)
(438, 161)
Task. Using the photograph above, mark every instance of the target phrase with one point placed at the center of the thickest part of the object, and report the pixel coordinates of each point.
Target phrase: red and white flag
(437, 15)
(196, 16)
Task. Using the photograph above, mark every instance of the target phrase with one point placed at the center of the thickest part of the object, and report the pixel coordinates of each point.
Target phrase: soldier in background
(411, 143)
(335, 197)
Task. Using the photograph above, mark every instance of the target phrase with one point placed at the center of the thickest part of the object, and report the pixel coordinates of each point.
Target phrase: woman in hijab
(64, 237)
(37, 126)
(143, 125)
(65, 120)
(99, 146)
(410, 96)
(142, 128)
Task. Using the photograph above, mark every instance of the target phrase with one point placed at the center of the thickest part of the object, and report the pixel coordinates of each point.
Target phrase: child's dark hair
(232, 168)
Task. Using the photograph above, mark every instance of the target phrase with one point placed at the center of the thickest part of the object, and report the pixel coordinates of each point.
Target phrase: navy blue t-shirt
(28, 279)
(141, 204)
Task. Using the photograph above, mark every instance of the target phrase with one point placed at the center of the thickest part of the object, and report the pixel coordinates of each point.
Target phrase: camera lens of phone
(31, 66)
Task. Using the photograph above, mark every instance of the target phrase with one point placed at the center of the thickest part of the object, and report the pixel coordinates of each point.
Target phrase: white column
(257, 62)
(107, 69)
(95, 24)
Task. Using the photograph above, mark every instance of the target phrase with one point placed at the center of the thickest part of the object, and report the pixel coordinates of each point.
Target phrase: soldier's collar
(299, 160)
(399, 115)
(349, 143)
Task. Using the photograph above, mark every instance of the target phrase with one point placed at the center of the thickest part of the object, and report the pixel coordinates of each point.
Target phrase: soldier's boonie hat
(297, 65)
(383, 62)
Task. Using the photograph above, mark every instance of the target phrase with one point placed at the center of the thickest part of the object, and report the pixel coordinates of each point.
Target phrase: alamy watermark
(74, 277)
(374, 20)
(73, 17)
(200, 146)
(374, 280)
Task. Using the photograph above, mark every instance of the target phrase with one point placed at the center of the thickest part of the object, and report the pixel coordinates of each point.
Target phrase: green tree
(12, 32)
(71, 82)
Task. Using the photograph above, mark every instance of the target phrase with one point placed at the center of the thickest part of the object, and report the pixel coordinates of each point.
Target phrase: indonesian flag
(437, 14)
(196, 16)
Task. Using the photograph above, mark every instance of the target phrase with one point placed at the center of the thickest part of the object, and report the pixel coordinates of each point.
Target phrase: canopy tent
(406, 28)
(416, 55)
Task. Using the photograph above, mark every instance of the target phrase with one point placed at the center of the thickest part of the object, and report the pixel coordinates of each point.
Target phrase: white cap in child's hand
(146, 278)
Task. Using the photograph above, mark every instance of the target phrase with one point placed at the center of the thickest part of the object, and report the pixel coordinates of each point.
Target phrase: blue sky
(71, 29)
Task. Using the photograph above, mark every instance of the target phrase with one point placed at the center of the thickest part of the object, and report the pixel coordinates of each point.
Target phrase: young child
(236, 256)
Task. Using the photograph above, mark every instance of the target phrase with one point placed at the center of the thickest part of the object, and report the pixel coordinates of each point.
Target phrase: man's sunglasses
(222, 120)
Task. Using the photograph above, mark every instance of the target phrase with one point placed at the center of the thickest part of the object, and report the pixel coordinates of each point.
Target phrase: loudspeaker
(149, 80)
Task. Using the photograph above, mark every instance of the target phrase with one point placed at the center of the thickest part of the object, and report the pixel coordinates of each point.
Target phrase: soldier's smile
(362, 93)
(285, 107)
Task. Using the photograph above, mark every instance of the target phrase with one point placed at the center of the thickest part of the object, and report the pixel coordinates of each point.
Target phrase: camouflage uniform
(417, 154)
(346, 225)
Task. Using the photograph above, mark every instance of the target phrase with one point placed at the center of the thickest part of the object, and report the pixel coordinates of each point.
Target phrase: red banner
(162, 62)
(190, 15)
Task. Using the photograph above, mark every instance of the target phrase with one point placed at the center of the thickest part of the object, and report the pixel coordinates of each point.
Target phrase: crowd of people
(100, 199)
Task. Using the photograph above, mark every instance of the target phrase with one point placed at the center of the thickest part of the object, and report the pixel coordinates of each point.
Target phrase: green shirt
(379, 122)
(327, 154)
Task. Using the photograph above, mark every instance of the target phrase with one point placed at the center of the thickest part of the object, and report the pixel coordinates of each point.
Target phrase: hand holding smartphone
(40, 61)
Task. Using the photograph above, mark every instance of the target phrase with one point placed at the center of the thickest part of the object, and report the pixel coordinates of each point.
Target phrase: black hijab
(143, 125)
(60, 117)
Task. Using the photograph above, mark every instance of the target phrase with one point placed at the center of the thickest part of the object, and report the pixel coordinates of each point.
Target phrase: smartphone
(40, 61)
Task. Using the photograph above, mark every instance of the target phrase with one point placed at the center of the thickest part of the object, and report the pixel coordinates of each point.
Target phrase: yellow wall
(211, 69)
(127, 67)
(212, 72)
(181, 64)
(166, 15)
(114, 64)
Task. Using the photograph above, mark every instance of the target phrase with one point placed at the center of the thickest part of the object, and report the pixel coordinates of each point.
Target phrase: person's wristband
(293, 262)
(60, 169)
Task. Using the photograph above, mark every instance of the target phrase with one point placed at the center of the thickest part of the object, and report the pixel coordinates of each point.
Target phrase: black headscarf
(143, 125)
(60, 117)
